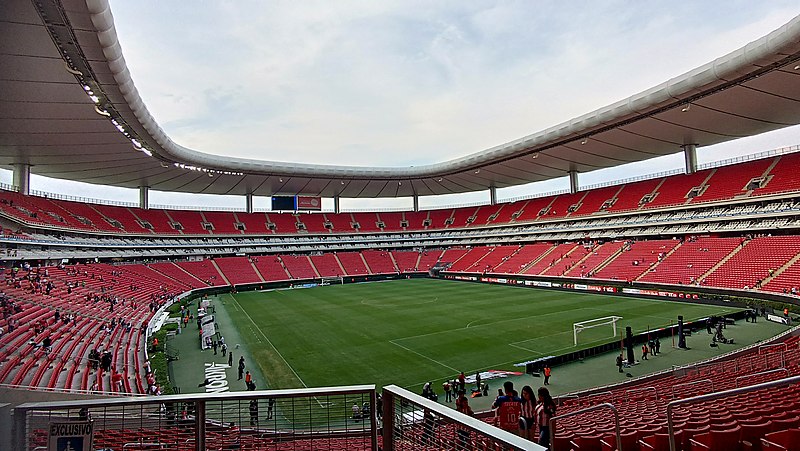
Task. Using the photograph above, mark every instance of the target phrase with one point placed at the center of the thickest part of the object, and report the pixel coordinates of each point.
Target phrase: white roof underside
(48, 121)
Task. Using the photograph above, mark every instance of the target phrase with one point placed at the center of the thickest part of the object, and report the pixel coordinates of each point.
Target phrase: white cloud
(398, 83)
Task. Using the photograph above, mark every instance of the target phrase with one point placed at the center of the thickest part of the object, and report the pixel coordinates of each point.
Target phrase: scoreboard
(296, 203)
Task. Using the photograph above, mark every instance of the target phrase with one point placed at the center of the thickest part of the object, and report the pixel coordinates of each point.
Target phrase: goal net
(595, 329)
(331, 281)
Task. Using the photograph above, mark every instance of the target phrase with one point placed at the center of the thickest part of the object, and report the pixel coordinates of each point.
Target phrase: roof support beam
(248, 199)
(573, 181)
(416, 202)
(336, 206)
(493, 195)
(690, 157)
(22, 177)
(144, 197)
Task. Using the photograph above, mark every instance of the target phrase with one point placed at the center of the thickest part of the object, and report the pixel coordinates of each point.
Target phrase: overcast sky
(401, 83)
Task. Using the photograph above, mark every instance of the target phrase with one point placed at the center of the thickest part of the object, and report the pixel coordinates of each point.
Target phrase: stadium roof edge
(748, 91)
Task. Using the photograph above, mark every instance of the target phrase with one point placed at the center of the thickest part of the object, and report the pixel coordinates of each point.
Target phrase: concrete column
(573, 181)
(144, 197)
(493, 195)
(336, 208)
(248, 199)
(22, 177)
(416, 202)
(690, 157)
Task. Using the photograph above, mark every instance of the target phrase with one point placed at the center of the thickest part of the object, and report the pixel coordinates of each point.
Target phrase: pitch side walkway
(601, 370)
(195, 365)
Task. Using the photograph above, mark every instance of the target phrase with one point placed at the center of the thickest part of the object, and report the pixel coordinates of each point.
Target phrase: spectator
(545, 409)
(508, 408)
(528, 412)
(462, 405)
(446, 388)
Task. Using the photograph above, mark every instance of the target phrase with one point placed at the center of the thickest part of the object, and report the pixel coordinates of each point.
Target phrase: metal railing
(691, 384)
(413, 422)
(723, 394)
(761, 374)
(306, 418)
(632, 392)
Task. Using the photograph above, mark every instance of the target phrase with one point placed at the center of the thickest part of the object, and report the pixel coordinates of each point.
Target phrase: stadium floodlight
(581, 326)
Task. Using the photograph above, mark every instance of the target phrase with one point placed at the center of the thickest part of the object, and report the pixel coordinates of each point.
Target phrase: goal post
(331, 281)
(606, 321)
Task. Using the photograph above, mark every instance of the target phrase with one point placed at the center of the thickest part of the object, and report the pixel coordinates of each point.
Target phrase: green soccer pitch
(406, 332)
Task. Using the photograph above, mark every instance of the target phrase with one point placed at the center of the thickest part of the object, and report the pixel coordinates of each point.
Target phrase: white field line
(424, 356)
(270, 343)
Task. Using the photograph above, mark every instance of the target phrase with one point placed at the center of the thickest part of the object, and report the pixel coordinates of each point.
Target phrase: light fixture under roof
(477, 171)
(440, 179)
(535, 156)
(584, 141)
(280, 180)
(686, 108)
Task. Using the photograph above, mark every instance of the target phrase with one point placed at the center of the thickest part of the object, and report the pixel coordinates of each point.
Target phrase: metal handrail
(390, 392)
(770, 346)
(21, 412)
(692, 383)
(717, 395)
(605, 405)
(776, 370)
(649, 387)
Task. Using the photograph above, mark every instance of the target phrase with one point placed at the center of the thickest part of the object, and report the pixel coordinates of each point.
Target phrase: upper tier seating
(784, 177)
(191, 221)
(157, 220)
(368, 222)
(254, 223)
(392, 221)
(675, 189)
(223, 222)
(710, 185)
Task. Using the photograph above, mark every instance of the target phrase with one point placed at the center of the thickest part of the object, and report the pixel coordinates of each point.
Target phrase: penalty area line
(424, 356)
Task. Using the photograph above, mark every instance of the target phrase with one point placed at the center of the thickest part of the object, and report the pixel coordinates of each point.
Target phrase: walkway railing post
(200, 424)
(388, 420)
